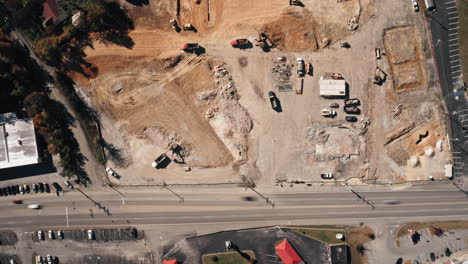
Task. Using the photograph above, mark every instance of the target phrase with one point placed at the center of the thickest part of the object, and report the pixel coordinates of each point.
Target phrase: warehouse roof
(332, 87)
(17, 142)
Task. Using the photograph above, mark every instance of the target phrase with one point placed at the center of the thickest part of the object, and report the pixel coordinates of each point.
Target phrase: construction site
(274, 91)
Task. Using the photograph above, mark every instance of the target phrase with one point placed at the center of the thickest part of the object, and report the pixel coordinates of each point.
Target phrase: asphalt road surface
(225, 206)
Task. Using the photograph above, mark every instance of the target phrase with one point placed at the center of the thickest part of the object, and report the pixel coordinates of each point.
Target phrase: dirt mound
(293, 31)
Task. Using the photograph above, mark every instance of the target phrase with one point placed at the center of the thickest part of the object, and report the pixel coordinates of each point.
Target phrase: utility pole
(181, 199)
(362, 198)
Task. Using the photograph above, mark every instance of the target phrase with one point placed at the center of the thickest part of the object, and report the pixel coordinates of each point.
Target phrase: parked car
(399, 261)
(60, 234)
(20, 189)
(12, 261)
(352, 110)
(46, 187)
(273, 100)
(49, 259)
(353, 101)
(239, 43)
(41, 187)
(300, 67)
(228, 244)
(334, 105)
(35, 188)
(432, 255)
(327, 176)
(415, 6)
(5, 191)
(40, 235)
(1, 192)
(69, 185)
(351, 119)
(17, 201)
(191, 47)
(90, 234)
(26, 188)
(51, 234)
(57, 186)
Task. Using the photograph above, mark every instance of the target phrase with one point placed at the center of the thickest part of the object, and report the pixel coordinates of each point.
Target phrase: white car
(69, 185)
(415, 5)
(34, 206)
(90, 234)
(328, 113)
(60, 234)
(327, 176)
(40, 235)
(51, 234)
(112, 172)
(49, 259)
(300, 67)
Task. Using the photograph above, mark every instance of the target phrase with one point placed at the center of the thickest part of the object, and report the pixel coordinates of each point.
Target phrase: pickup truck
(190, 47)
(239, 42)
(273, 100)
(300, 67)
(328, 113)
(351, 109)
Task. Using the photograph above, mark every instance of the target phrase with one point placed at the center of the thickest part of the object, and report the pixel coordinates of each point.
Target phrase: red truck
(237, 43)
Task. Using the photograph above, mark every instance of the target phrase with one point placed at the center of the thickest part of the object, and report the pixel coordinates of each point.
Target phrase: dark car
(46, 187)
(57, 186)
(41, 187)
(1, 192)
(17, 189)
(399, 261)
(35, 188)
(6, 192)
(433, 258)
(334, 105)
(17, 201)
(351, 119)
(273, 100)
(351, 109)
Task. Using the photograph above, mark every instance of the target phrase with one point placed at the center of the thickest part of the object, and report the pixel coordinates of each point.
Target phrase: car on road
(300, 67)
(17, 201)
(432, 255)
(90, 234)
(34, 206)
(112, 173)
(40, 235)
(351, 119)
(391, 202)
(51, 234)
(60, 234)
(415, 5)
(35, 188)
(228, 244)
(69, 185)
(46, 187)
(327, 176)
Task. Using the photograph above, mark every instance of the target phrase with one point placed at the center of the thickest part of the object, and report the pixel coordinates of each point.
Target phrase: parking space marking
(455, 66)
(453, 23)
(454, 17)
(455, 60)
(455, 55)
(456, 71)
(454, 44)
(454, 33)
(453, 12)
(454, 28)
(454, 39)
(451, 7)
(453, 50)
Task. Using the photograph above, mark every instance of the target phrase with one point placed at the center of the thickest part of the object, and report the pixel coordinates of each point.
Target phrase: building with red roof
(287, 253)
(172, 261)
(50, 12)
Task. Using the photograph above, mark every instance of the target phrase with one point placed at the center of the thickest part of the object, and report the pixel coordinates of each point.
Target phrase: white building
(332, 87)
(17, 142)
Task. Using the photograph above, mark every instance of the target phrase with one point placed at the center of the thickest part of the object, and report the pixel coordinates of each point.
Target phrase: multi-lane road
(227, 206)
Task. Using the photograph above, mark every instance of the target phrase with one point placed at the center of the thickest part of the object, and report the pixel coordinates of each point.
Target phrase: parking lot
(5, 259)
(146, 259)
(99, 235)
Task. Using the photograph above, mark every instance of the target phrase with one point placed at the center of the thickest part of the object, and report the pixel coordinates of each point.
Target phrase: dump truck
(159, 161)
(190, 47)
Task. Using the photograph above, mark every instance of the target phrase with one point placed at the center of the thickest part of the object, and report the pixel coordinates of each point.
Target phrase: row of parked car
(46, 260)
(350, 107)
(36, 187)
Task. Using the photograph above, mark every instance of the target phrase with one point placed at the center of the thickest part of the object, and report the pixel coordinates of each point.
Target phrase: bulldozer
(380, 76)
(263, 42)
(295, 3)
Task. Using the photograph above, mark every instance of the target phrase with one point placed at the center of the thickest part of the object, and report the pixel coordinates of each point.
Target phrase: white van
(34, 206)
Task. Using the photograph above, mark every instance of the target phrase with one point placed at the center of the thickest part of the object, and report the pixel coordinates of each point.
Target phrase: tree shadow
(114, 153)
(138, 2)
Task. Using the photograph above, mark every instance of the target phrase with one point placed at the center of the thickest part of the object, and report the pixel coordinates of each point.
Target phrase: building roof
(332, 87)
(287, 253)
(50, 11)
(172, 261)
(17, 142)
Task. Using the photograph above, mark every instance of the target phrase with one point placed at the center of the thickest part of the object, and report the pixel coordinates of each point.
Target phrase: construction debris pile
(282, 75)
(229, 119)
(340, 143)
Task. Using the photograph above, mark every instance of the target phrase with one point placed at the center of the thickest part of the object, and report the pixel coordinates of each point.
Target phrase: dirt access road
(153, 95)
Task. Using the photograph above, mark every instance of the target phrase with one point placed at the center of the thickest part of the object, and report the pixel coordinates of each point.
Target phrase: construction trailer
(332, 87)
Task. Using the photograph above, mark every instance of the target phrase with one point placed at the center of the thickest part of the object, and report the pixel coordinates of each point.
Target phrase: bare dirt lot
(215, 106)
